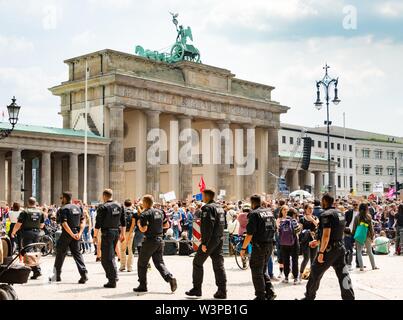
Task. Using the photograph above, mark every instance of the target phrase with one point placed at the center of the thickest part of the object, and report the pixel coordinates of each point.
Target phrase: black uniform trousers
(110, 238)
(335, 258)
(67, 242)
(215, 252)
(152, 248)
(28, 237)
(258, 264)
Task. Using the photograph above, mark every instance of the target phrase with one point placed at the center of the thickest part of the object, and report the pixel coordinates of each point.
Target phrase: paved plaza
(386, 283)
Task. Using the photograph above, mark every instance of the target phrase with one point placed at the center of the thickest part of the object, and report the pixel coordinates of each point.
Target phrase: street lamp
(13, 111)
(326, 83)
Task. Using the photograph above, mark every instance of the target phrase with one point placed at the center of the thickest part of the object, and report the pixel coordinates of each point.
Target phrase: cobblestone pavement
(385, 283)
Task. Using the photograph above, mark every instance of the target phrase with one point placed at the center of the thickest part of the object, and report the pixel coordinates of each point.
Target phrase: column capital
(248, 126)
(223, 123)
(151, 112)
(116, 106)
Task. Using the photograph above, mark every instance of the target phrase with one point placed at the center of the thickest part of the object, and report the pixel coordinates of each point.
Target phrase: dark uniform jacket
(212, 222)
(261, 226)
(154, 220)
(130, 215)
(110, 215)
(335, 220)
(72, 214)
(31, 218)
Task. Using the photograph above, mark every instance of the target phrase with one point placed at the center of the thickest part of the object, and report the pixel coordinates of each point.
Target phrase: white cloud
(390, 9)
(12, 44)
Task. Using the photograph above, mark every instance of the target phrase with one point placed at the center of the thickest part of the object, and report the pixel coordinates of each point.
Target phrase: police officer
(212, 231)
(128, 242)
(30, 221)
(331, 252)
(151, 223)
(72, 220)
(260, 230)
(110, 217)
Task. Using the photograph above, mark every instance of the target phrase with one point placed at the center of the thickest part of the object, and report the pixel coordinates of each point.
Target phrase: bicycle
(236, 243)
(47, 237)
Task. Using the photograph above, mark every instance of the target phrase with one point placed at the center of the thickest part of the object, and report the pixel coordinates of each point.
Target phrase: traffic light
(306, 156)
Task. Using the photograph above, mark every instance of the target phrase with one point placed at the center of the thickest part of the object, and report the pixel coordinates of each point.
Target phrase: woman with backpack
(364, 234)
(309, 223)
(282, 214)
(289, 246)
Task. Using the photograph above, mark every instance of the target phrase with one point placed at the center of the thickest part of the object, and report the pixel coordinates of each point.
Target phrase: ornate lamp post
(327, 83)
(13, 111)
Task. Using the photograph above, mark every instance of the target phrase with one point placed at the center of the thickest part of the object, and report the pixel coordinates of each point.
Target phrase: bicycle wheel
(46, 250)
(243, 263)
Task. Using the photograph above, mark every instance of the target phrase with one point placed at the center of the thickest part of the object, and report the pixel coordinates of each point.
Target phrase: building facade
(130, 96)
(362, 159)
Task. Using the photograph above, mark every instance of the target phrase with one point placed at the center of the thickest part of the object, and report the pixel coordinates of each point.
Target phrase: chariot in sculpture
(179, 51)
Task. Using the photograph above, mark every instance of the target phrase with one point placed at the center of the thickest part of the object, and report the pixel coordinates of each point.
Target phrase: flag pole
(86, 134)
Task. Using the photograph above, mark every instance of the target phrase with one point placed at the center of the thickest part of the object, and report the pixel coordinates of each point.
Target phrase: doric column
(224, 169)
(249, 186)
(294, 179)
(318, 183)
(273, 160)
(66, 119)
(16, 176)
(262, 160)
(332, 183)
(99, 182)
(57, 179)
(116, 157)
(28, 179)
(308, 181)
(185, 157)
(45, 178)
(153, 154)
(73, 175)
(3, 175)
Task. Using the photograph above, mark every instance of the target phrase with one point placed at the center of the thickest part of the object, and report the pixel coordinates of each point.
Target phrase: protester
(364, 222)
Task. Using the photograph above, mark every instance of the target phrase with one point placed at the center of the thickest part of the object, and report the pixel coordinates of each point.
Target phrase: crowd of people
(372, 227)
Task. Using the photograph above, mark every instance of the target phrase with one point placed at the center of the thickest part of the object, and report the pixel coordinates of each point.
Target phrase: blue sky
(281, 43)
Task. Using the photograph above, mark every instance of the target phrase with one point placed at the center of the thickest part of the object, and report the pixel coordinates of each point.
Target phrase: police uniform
(153, 246)
(334, 256)
(262, 227)
(31, 220)
(110, 216)
(128, 243)
(73, 216)
(212, 231)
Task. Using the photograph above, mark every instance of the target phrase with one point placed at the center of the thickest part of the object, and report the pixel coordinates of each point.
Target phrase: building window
(339, 182)
(350, 148)
(378, 171)
(366, 170)
(325, 144)
(313, 143)
(344, 163)
(401, 171)
(320, 144)
(338, 162)
(298, 141)
(351, 182)
(378, 154)
(338, 146)
(365, 153)
(350, 163)
(401, 155)
(291, 140)
(197, 160)
(129, 155)
(284, 139)
(366, 186)
(344, 147)
(391, 171)
(390, 155)
(332, 146)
